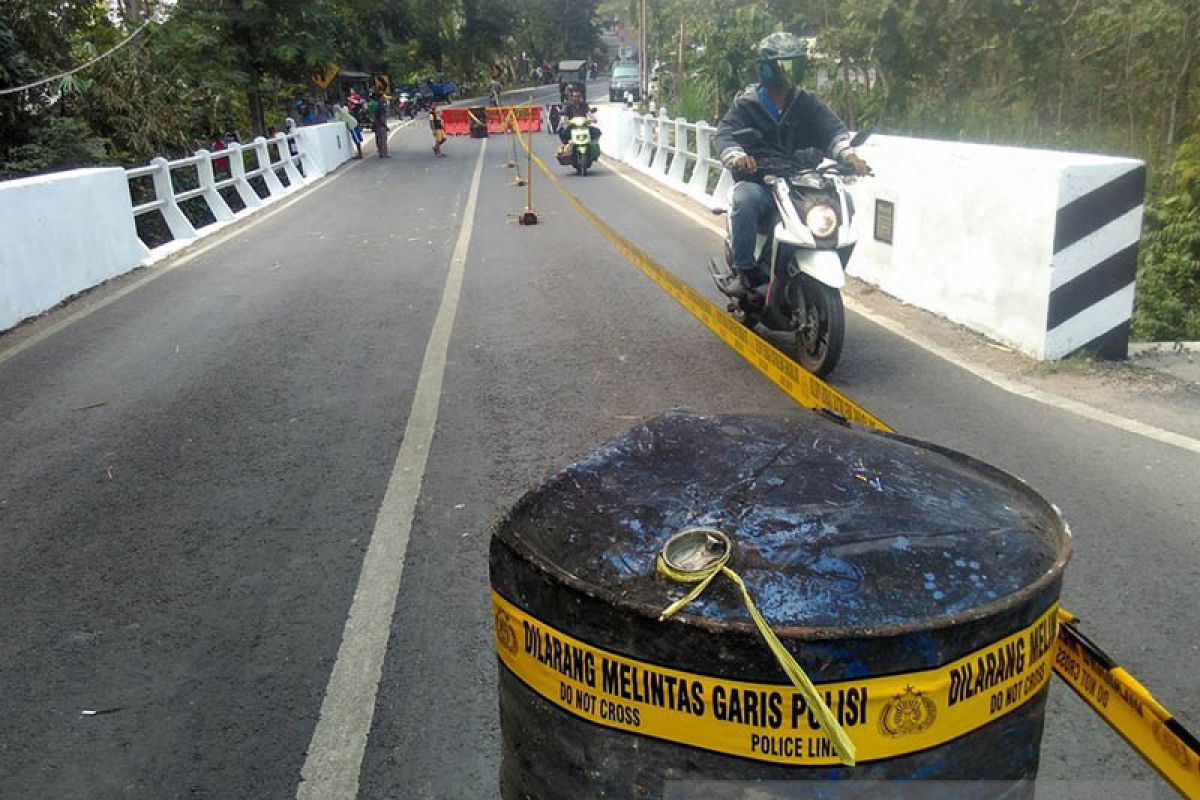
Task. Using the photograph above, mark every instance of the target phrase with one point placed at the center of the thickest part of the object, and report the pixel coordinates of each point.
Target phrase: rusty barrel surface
(914, 585)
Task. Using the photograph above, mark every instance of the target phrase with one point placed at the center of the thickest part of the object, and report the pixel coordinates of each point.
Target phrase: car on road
(624, 79)
(572, 72)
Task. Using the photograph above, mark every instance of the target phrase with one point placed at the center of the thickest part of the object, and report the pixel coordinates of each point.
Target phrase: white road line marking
(993, 377)
(334, 761)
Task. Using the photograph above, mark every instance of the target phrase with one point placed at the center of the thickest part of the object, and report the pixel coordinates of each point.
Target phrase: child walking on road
(439, 130)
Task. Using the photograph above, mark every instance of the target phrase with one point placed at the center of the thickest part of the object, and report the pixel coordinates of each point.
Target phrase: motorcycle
(801, 260)
(359, 112)
(406, 107)
(582, 151)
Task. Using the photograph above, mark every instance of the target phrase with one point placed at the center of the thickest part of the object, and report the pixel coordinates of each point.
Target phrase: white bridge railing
(104, 205)
(676, 152)
(287, 169)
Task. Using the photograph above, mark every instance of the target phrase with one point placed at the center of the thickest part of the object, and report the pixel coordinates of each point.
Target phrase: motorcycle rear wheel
(822, 330)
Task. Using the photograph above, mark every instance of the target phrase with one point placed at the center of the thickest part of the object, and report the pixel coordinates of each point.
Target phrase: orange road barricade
(457, 121)
(527, 118)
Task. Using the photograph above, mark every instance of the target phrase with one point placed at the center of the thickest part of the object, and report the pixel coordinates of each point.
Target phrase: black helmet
(782, 58)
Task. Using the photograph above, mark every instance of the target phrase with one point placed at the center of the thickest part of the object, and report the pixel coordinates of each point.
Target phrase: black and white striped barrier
(1096, 232)
(1035, 249)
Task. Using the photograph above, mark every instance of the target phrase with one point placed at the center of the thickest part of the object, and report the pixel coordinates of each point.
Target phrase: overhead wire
(80, 68)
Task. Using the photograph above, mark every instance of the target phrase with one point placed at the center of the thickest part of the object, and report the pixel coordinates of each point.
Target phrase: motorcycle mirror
(861, 136)
(748, 137)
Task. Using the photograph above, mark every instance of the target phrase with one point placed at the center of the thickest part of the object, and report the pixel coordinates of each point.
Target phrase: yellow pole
(528, 217)
(529, 147)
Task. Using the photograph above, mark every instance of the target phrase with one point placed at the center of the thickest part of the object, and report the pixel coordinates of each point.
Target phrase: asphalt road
(193, 473)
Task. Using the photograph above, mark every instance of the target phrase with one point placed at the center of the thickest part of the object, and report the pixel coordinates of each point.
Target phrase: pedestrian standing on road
(378, 111)
(355, 132)
(438, 128)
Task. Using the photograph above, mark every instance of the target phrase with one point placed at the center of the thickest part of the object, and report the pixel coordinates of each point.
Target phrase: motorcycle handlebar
(786, 167)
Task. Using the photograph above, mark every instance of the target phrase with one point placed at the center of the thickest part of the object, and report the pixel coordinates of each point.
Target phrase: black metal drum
(917, 587)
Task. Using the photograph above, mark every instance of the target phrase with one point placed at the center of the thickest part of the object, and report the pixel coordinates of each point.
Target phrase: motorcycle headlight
(822, 220)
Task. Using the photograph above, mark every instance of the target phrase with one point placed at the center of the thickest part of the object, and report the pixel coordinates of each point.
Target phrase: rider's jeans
(751, 203)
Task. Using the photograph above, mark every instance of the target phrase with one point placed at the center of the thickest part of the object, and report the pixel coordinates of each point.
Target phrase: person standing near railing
(378, 110)
(340, 113)
(220, 165)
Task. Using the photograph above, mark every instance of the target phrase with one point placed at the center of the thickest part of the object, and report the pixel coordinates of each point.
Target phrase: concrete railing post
(637, 139)
(698, 185)
(237, 168)
(177, 222)
(208, 182)
(289, 166)
(680, 158)
(632, 126)
(275, 187)
(310, 153)
(662, 151)
(650, 131)
(722, 195)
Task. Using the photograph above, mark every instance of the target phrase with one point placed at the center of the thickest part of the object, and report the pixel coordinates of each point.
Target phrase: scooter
(801, 260)
(406, 108)
(582, 151)
(359, 112)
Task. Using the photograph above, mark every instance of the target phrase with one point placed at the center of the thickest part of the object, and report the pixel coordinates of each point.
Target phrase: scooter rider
(576, 107)
(789, 119)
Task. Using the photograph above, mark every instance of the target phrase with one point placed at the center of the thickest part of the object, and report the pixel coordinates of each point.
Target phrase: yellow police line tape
(886, 717)
(700, 575)
(1128, 708)
(1111, 691)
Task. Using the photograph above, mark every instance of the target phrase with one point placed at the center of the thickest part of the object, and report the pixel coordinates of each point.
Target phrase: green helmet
(782, 58)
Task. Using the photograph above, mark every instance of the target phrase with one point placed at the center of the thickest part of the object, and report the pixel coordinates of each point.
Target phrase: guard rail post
(662, 149)
(237, 168)
(177, 222)
(208, 182)
(282, 141)
(266, 168)
(698, 185)
(680, 157)
(721, 196)
(628, 136)
(646, 148)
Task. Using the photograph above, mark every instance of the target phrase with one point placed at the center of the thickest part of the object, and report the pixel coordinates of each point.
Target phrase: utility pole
(679, 82)
(643, 62)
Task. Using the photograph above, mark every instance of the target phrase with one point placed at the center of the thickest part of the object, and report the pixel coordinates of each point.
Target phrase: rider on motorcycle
(576, 107)
(789, 119)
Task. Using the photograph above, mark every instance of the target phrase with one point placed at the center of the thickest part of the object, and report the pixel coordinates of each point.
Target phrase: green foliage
(1168, 299)
(60, 142)
(205, 66)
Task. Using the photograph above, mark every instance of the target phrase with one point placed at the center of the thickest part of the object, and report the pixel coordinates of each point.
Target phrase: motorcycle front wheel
(822, 328)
